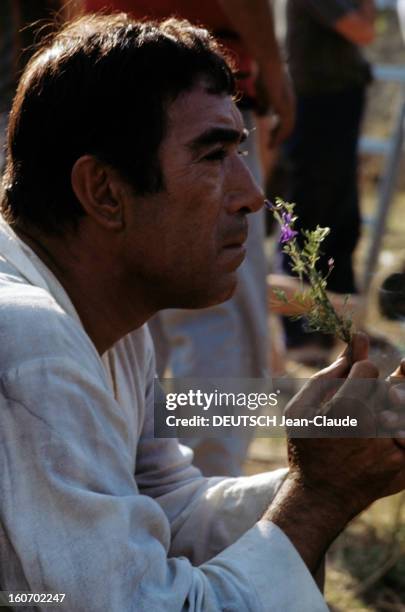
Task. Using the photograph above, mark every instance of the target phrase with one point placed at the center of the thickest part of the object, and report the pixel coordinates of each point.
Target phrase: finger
(329, 380)
(396, 395)
(318, 388)
(357, 350)
(392, 421)
(360, 347)
(361, 372)
(352, 400)
(363, 369)
(360, 382)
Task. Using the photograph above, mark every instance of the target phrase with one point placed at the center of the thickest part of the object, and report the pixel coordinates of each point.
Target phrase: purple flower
(331, 262)
(287, 233)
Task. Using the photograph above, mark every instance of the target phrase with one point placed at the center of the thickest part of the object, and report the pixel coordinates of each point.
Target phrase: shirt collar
(31, 267)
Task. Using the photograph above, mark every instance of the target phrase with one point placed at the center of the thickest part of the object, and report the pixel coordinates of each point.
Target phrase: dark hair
(100, 86)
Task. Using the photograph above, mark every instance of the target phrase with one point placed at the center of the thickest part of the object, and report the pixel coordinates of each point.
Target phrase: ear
(100, 191)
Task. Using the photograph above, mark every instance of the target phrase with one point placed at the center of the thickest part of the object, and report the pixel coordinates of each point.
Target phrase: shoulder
(33, 326)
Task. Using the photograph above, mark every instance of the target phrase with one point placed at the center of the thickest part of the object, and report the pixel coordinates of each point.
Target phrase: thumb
(358, 348)
(360, 381)
(318, 388)
(357, 397)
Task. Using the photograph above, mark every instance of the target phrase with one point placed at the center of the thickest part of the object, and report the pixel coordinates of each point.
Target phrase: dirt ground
(366, 565)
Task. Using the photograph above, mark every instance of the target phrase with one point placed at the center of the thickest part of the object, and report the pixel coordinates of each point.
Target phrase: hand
(345, 474)
(332, 480)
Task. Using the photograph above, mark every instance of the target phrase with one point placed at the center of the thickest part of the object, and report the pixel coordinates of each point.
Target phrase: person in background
(330, 76)
(401, 16)
(229, 340)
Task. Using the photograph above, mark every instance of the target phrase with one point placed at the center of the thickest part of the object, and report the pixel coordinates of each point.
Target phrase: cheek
(209, 194)
(204, 181)
(191, 216)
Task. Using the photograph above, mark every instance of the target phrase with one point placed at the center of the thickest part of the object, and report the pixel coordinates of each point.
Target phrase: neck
(107, 309)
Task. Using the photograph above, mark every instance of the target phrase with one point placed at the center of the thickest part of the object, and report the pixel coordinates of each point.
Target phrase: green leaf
(280, 294)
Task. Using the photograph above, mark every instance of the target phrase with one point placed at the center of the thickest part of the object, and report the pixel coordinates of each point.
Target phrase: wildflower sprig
(322, 316)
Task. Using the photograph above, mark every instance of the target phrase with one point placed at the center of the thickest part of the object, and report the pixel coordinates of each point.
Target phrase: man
(109, 220)
(236, 330)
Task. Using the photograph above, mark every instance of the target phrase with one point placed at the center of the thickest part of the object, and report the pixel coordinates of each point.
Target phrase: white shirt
(91, 504)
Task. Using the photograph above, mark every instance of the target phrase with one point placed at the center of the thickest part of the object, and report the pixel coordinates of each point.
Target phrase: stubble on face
(194, 229)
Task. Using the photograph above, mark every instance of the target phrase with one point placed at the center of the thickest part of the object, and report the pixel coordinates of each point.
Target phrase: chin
(222, 295)
(227, 295)
(204, 296)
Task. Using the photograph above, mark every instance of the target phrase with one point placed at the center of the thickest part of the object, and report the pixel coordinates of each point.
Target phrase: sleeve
(329, 11)
(73, 520)
(206, 514)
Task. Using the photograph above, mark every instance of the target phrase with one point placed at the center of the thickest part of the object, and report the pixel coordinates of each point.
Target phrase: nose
(245, 195)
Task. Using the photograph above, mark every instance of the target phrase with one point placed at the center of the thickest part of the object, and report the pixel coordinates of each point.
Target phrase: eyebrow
(218, 135)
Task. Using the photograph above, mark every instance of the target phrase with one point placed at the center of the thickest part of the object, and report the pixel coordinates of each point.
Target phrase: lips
(237, 242)
(234, 252)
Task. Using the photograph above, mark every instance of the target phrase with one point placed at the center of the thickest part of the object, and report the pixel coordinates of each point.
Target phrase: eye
(220, 154)
(217, 155)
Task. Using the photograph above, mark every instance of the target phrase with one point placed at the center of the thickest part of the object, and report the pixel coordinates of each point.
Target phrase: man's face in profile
(189, 237)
